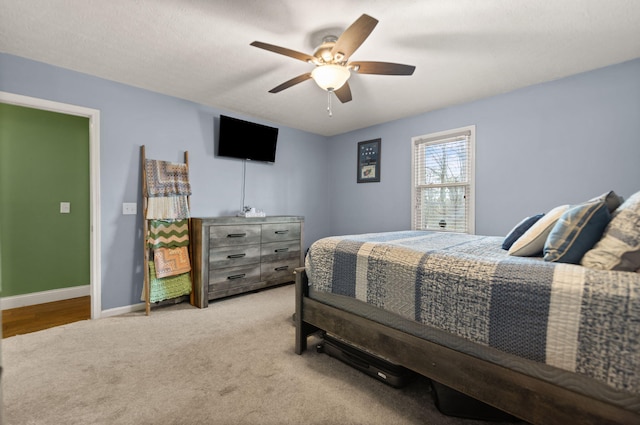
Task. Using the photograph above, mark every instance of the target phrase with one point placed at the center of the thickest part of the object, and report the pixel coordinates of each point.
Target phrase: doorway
(93, 220)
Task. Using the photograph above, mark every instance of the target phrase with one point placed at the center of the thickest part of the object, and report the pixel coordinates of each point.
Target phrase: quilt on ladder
(166, 178)
(568, 316)
(167, 287)
(167, 207)
(168, 233)
(171, 261)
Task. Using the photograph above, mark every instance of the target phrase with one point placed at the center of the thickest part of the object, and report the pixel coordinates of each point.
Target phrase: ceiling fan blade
(291, 82)
(344, 93)
(382, 68)
(284, 51)
(354, 36)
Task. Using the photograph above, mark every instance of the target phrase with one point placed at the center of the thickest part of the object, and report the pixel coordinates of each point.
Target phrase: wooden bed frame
(531, 399)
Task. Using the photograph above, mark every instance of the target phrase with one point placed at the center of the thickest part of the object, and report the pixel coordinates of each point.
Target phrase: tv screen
(246, 140)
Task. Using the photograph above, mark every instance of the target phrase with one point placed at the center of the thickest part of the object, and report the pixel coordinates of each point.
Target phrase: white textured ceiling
(199, 49)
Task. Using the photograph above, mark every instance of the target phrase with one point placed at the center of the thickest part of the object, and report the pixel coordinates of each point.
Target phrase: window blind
(442, 182)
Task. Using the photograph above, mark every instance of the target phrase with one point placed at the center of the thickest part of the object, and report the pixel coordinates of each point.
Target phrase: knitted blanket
(168, 207)
(167, 178)
(168, 233)
(167, 287)
(171, 261)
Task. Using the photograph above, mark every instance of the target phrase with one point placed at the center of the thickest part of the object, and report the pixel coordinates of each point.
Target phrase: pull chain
(329, 104)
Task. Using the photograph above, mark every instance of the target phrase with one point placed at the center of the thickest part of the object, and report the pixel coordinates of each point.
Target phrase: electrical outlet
(129, 208)
(65, 207)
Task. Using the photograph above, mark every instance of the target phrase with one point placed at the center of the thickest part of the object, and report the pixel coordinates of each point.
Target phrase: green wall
(44, 160)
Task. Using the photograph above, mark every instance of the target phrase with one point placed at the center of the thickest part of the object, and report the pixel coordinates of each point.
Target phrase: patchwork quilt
(568, 316)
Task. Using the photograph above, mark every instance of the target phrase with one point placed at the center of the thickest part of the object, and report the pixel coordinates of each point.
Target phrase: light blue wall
(538, 147)
(131, 117)
(559, 142)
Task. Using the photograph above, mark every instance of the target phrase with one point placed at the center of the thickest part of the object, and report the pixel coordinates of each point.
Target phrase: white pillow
(532, 242)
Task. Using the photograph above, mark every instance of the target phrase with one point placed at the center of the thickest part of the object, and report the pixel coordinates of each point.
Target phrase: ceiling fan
(331, 60)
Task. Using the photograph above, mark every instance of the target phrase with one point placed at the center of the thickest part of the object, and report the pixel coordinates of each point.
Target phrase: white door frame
(94, 181)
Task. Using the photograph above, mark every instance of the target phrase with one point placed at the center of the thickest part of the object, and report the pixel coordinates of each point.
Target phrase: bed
(550, 343)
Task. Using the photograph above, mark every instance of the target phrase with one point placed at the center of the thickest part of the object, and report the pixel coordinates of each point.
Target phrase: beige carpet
(232, 363)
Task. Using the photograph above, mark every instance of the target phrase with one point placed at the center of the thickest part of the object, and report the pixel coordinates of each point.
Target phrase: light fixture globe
(330, 77)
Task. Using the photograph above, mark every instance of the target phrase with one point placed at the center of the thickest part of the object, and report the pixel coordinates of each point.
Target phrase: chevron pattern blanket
(168, 233)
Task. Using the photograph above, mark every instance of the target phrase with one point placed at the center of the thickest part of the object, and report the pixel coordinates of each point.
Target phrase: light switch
(65, 207)
(129, 208)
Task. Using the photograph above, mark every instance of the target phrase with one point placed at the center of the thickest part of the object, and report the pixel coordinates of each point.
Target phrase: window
(443, 174)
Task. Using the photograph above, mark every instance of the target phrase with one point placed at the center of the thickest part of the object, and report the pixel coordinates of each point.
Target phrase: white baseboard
(34, 298)
(122, 310)
(17, 301)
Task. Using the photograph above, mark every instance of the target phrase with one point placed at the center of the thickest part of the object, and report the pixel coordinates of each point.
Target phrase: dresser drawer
(278, 251)
(231, 256)
(279, 271)
(233, 276)
(274, 232)
(233, 235)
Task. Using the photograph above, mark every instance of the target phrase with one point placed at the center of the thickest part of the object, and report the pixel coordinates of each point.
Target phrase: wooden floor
(17, 321)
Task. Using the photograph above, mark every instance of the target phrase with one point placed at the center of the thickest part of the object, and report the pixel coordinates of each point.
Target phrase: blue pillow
(519, 230)
(576, 232)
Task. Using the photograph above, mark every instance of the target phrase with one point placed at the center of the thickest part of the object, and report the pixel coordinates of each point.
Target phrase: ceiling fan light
(330, 77)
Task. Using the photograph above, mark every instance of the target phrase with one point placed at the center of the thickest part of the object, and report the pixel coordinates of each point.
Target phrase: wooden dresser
(233, 255)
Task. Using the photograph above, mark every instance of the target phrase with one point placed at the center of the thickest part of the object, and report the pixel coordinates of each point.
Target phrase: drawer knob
(237, 255)
(281, 232)
(282, 250)
(236, 235)
(236, 276)
(279, 269)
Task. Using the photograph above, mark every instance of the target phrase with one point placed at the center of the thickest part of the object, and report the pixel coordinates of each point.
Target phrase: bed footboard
(531, 399)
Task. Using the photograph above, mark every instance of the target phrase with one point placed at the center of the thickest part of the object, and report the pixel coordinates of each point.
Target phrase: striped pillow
(519, 229)
(532, 242)
(619, 248)
(576, 232)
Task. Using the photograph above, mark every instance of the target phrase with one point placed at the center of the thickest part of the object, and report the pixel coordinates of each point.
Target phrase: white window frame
(438, 138)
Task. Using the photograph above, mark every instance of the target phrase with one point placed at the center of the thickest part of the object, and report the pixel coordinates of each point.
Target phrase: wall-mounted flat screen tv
(246, 140)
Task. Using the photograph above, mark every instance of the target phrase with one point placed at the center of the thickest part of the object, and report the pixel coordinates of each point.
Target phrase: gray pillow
(619, 248)
(612, 200)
